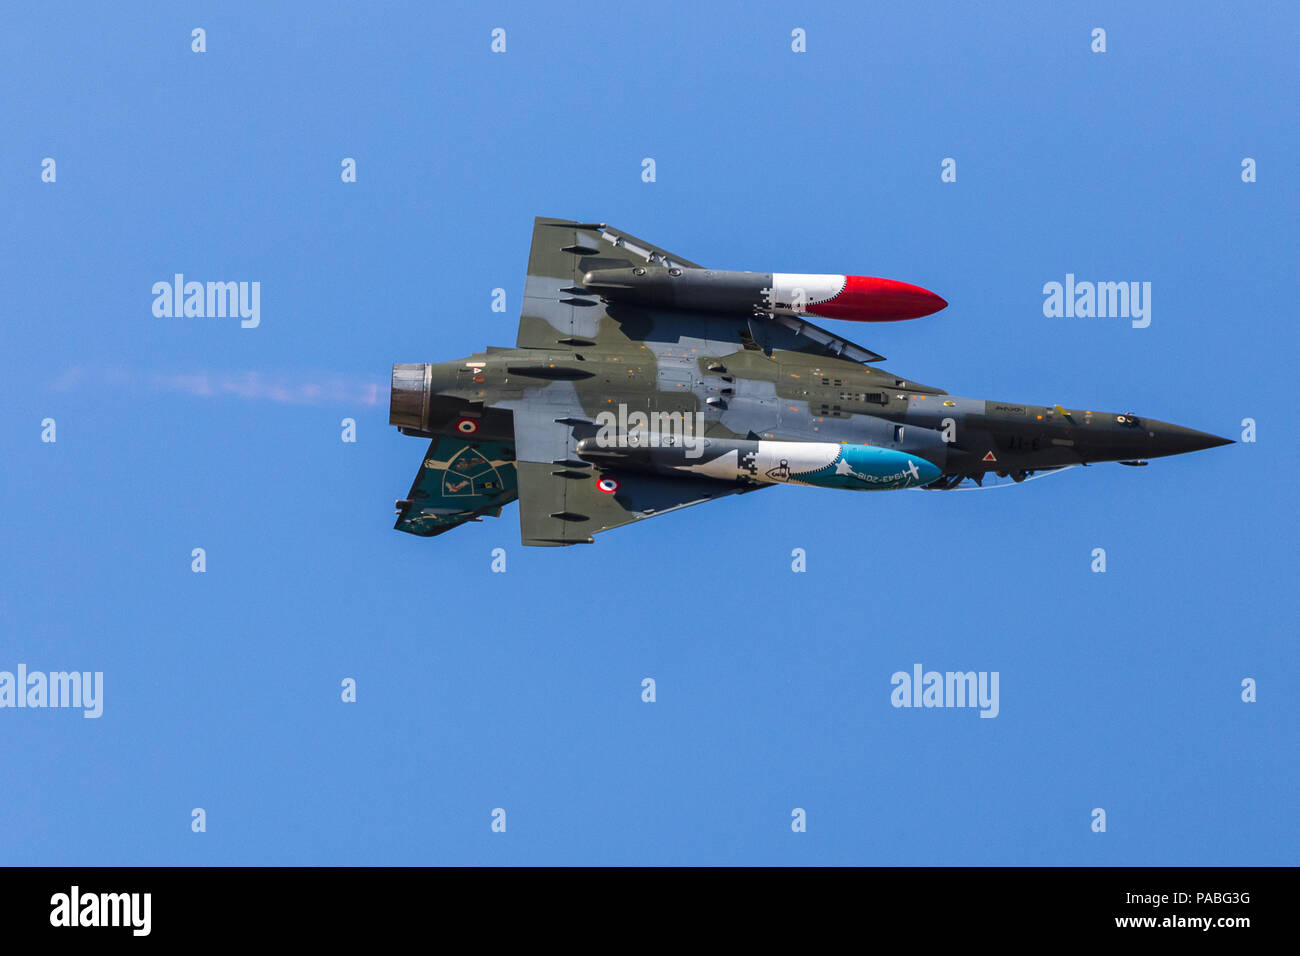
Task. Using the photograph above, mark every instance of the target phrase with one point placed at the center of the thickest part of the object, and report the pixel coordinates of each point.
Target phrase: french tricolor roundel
(607, 485)
(466, 426)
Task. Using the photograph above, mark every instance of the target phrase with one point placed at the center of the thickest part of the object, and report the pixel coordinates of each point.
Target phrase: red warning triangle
(989, 457)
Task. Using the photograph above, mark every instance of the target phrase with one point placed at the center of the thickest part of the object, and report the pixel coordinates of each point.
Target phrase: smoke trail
(281, 388)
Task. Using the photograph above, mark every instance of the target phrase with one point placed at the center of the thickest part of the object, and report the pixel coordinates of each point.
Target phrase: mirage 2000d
(641, 383)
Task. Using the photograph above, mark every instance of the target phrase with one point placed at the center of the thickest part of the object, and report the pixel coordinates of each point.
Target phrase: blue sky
(522, 690)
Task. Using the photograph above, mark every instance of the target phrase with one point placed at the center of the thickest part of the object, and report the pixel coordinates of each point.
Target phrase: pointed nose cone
(869, 299)
(1166, 439)
(1195, 441)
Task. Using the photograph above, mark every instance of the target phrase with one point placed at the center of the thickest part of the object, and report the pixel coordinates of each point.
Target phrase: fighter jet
(641, 383)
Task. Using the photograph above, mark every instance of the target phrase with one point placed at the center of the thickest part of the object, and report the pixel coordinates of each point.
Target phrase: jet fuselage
(785, 397)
